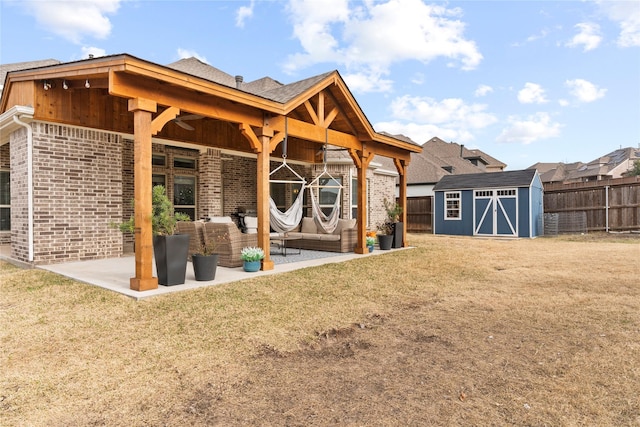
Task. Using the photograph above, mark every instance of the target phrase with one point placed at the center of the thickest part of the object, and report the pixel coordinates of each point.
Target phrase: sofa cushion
(220, 219)
(344, 224)
(308, 226)
(251, 224)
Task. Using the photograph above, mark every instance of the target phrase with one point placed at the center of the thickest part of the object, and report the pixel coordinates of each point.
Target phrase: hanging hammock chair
(327, 223)
(283, 222)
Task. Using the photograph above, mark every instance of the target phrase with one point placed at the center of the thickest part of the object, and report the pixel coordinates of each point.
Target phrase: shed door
(495, 212)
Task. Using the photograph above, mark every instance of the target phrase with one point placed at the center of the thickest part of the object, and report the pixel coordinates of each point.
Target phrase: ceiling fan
(180, 121)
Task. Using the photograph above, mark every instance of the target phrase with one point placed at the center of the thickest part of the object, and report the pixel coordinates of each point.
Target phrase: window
(285, 193)
(5, 201)
(157, 179)
(184, 195)
(158, 160)
(327, 191)
(511, 192)
(452, 208)
(184, 163)
(354, 197)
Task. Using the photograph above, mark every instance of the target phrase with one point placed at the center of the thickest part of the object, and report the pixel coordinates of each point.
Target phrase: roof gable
(520, 178)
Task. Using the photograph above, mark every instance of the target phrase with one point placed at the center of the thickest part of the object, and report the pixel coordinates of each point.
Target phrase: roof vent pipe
(461, 150)
(239, 80)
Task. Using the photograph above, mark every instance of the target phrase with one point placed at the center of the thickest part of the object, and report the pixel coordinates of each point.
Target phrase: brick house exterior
(71, 182)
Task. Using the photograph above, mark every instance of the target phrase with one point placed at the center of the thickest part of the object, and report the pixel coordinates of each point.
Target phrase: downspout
(29, 184)
(606, 207)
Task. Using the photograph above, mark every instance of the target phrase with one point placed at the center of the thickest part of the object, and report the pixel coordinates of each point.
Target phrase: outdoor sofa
(343, 239)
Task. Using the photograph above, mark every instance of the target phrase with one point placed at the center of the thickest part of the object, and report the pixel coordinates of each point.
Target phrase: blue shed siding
(537, 207)
(523, 209)
(525, 213)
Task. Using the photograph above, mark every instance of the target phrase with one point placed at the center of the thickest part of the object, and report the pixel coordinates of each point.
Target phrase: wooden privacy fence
(419, 214)
(611, 205)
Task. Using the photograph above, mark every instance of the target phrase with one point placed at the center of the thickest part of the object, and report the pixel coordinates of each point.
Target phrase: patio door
(495, 212)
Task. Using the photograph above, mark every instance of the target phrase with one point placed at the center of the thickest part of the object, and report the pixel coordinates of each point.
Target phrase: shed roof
(520, 178)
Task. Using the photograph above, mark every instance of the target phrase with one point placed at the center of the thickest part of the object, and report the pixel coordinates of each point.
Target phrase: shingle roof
(265, 87)
(197, 68)
(452, 156)
(521, 178)
(16, 66)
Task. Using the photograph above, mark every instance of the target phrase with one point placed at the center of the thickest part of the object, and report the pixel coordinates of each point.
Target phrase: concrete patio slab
(114, 273)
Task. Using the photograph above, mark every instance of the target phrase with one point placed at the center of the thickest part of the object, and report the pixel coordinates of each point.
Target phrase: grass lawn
(458, 331)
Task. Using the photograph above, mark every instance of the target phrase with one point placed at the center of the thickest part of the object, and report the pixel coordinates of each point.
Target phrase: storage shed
(508, 204)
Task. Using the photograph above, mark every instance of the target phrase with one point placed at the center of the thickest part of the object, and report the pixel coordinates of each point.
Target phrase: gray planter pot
(385, 241)
(171, 254)
(204, 266)
(397, 234)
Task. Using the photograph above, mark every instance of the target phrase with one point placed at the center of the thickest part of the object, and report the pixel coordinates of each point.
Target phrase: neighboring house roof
(456, 159)
(5, 68)
(611, 165)
(521, 178)
(555, 172)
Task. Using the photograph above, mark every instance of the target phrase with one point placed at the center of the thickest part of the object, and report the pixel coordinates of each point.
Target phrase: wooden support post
(144, 280)
(361, 159)
(401, 166)
(264, 136)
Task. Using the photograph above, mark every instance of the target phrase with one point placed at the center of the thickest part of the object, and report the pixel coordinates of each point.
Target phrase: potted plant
(385, 236)
(205, 262)
(252, 257)
(394, 211)
(371, 240)
(170, 250)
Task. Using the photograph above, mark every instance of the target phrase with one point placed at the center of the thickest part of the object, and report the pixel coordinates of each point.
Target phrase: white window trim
(459, 198)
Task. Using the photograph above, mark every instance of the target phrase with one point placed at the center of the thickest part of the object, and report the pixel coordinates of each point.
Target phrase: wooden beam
(142, 110)
(315, 133)
(130, 86)
(247, 132)
(312, 113)
(162, 119)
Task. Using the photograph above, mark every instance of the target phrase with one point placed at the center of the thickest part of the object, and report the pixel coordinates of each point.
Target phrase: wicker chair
(195, 230)
(229, 242)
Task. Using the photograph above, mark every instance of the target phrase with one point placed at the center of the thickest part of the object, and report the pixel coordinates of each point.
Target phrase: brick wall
(19, 195)
(5, 165)
(77, 193)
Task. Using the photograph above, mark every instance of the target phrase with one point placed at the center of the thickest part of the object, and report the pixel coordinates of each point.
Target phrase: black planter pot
(385, 241)
(204, 266)
(171, 254)
(397, 234)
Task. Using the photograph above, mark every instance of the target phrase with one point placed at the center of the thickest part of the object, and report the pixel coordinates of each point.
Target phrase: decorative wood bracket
(163, 118)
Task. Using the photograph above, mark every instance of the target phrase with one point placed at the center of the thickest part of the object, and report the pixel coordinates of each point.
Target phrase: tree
(635, 171)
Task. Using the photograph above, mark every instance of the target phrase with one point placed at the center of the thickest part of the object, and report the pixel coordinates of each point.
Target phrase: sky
(523, 81)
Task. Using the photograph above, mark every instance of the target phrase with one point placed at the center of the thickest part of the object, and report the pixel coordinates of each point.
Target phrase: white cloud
(588, 36)
(627, 15)
(74, 20)
(243, 13)
(95, 51)
(584, 90)
(532, 93)
(186, 53)
(362, 82)
(368, 37)
(533, 128)
(482, 90)
(563, 102)
(421, 133)
(421, 117)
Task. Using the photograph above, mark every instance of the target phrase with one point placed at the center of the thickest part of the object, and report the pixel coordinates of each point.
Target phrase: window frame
(455, 196)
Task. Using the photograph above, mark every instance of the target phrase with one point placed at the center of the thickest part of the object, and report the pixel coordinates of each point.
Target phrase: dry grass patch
(456, 331)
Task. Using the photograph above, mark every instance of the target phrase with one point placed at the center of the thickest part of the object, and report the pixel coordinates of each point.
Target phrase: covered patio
(124, 95)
